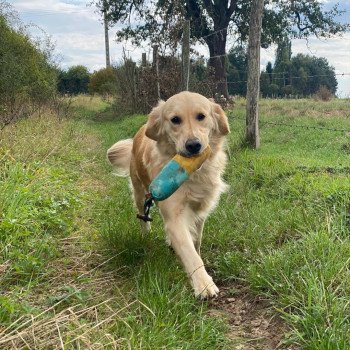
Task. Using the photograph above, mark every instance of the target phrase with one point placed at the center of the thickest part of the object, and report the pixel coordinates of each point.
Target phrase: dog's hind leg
(139, 199)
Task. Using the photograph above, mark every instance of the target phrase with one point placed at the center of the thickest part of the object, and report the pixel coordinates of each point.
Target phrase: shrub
(74, 81)
(323, 94)
(137, 90)
(27, 79)
(103, 82)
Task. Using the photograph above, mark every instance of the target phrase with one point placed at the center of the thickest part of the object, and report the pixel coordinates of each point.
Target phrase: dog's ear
(220, 119)
(153, 124)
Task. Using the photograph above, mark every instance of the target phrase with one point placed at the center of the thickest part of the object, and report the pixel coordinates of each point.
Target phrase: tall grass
(75, 270)
(287, 228)
(282, 230)
(283, 227)
(39, 196)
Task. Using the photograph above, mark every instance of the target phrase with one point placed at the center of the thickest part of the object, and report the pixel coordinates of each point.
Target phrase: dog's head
(187, 123)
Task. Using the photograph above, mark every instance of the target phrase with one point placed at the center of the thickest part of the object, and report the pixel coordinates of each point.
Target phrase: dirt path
(253, 324)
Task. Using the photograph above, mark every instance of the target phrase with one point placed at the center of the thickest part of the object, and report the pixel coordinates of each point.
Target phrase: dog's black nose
(193, 146)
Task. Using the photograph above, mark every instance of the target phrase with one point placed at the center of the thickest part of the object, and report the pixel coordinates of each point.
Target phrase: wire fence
(324, 128)
(213, 33)
(295, 77)
(299, 126)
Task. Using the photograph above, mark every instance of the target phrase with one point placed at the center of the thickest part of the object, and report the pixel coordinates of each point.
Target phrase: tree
(160, 21)
(265, 84)
(269, 71)
(74, 81)
(303, 75)
(266, 79)
(103, 82)
(309, 73)
(237, 70)
(283, 63)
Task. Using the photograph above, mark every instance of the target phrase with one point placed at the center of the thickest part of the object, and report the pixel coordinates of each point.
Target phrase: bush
(103, 82)
(137, 86)
(27, 79)
(137, 90)
(323, 94)
(74, 81)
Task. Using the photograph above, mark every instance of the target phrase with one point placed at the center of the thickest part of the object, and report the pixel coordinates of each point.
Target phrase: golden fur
(185, 211)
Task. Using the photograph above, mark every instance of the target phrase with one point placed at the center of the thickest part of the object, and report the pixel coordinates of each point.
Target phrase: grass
(73, 258)
(84, 287)
(176, 320)
(287, 220)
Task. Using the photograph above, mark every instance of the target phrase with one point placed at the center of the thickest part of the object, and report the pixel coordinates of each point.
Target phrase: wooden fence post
(156, 67)
(253, 84)
(186, 56)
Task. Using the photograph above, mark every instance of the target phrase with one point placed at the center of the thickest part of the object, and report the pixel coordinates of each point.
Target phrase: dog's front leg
(178, 232)
(198, 237)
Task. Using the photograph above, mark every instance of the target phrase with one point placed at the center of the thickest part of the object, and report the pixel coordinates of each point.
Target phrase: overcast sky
(79, 37)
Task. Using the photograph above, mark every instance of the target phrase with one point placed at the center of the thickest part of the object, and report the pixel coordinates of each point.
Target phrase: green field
(75, 272)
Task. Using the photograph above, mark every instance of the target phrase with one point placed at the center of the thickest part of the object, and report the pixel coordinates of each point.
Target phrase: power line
(284, 73)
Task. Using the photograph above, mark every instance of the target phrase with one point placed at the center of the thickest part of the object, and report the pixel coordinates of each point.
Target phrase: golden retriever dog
(184, 124)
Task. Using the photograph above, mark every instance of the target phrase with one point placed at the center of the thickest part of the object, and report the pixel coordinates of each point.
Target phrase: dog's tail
(120, 156)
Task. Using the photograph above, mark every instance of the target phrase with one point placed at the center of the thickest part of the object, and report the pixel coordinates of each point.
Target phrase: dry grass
(74, 326)
(78, 303)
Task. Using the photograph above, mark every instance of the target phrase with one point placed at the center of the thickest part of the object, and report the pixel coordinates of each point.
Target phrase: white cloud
(80, 41)
(336, 50)
(52, 8)
(47, 5)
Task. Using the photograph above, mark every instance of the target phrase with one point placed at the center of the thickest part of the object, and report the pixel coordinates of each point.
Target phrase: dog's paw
(204, 287)
(211, 291)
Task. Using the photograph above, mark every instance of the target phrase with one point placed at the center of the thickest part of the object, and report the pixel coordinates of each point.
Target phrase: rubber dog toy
(175, 173)
(171, 177)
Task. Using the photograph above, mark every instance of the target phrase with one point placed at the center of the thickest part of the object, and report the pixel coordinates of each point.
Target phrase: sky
(78, 34)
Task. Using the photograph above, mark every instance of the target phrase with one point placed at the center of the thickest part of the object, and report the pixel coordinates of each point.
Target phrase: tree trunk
(217, 51)
(253, 84)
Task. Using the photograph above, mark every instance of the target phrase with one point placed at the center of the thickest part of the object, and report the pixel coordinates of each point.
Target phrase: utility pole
(108, 61)
(186, 56)
(253, 84)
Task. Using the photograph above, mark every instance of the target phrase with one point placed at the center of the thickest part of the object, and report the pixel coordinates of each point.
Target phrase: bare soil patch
(254, 325)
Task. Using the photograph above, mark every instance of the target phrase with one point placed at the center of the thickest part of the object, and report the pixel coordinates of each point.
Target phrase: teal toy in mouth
(171, 177)
(175, 173)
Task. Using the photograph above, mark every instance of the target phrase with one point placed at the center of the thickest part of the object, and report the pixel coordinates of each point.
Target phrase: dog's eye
(176, 120)
(200, 116)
